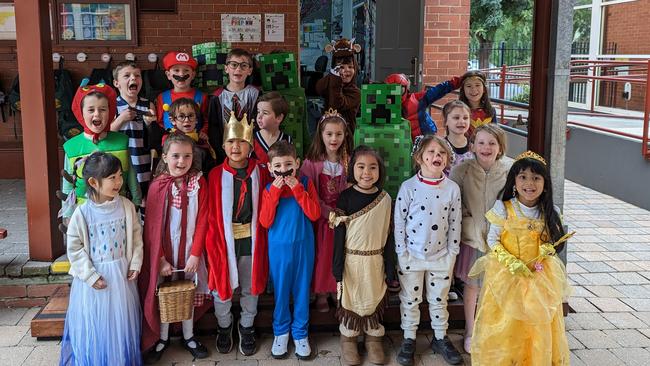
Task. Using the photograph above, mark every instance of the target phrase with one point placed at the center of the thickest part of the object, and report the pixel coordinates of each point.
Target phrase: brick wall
(197, 21)
(626, 25)
(446, 42)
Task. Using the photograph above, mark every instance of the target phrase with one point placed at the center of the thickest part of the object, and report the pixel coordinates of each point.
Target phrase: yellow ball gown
(519, 319)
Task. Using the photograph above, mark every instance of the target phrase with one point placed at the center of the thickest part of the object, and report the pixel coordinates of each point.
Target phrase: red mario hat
(179, 58)
(82, 92)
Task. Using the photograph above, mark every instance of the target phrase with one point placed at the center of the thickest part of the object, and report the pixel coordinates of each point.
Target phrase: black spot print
(404, 210)
(437, 196)
(399, 198)
(455, 241)
(432, 284)
(416, 288)
(431, 274)
(401, 232)
(422, 208)
(430, 213)
(434, 227)
(420, 224)
(400, 273)
(410, 217)
(453, 209)
(437, 316)
(416, 299)
(445, 208)
(413, 231)
(446, 277)
(425, 249)
(405, 315)
(408, 267)
(439, 243)
(438, 299)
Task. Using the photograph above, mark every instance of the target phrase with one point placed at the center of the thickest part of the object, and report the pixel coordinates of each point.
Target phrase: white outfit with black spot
(427, 239)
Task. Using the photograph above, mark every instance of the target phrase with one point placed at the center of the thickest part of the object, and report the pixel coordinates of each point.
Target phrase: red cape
(153, 238)
(219, 246)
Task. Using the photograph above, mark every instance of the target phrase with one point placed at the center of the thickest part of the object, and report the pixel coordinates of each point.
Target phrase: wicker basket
(176, 300)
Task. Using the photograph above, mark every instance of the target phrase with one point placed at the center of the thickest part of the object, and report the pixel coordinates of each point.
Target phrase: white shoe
(279, 349)
(303, 350)
(452, 296)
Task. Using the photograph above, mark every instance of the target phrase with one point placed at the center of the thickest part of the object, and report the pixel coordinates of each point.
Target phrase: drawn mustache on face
(181, 78)
(283, 174)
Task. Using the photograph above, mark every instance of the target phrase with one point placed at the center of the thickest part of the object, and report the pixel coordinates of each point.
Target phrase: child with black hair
(524, 282)
(362, 255)
(104, 247)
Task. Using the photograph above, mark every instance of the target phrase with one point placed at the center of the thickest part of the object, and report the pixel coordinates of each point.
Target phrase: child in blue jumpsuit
(289, 206)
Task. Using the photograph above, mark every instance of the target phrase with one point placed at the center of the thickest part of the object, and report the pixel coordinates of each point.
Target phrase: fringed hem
(358, 323)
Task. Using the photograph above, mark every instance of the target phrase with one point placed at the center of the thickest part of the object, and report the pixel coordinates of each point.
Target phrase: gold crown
(531, 155)
(332, 113)
(236, 129)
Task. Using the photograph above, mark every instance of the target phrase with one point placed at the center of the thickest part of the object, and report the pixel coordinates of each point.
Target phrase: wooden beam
(38, 116)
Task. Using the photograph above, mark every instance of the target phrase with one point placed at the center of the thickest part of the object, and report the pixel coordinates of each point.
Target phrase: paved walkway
(608, 264)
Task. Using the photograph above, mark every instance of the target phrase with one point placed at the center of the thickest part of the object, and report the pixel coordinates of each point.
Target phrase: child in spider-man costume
(414, 105)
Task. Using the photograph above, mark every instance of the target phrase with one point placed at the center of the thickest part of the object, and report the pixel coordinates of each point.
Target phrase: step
(50, 320)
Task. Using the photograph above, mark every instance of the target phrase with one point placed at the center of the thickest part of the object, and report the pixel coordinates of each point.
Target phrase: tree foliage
(487, 16)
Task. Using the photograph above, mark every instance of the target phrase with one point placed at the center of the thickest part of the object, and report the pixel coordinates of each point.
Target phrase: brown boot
(350, 351)
(375, 348)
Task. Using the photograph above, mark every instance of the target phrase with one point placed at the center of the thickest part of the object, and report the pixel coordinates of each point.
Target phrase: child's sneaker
(195, 348)
(452, 296)
(247, 344)
(447, 350)
(303, 350)
(279, 349)
(224, 339)
(406, 352)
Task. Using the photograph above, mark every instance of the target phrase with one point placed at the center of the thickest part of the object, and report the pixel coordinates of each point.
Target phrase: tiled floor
(608, 265)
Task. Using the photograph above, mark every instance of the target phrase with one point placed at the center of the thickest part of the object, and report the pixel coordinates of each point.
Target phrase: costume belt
(241, 231)
(364, 252)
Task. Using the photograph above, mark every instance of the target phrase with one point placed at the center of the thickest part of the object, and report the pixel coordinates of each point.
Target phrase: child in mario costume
(415, 105)
(94, 106)
(180, 69)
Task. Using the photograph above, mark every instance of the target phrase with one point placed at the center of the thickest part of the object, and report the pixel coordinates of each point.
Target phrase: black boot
(406, 352)
(247, 344)
(447, 350)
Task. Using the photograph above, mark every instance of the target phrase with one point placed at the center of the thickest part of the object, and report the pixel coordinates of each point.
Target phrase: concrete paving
(608, 266)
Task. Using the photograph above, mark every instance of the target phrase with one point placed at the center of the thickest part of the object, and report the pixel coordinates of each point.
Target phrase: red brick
(13, 291)
(43, 290)
(24, 302)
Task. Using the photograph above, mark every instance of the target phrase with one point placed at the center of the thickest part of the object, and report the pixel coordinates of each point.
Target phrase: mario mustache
(181, 78)
(283, 174)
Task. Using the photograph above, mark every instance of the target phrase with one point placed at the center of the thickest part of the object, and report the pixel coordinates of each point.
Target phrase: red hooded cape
(222, 274)
(157, 205)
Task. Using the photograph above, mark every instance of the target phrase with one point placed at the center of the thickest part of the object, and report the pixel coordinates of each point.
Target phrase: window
(95, 22)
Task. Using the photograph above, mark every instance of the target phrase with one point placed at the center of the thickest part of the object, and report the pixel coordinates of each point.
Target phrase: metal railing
(581, 71)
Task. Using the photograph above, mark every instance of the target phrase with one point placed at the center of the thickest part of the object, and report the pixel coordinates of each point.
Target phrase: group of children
(323, 226)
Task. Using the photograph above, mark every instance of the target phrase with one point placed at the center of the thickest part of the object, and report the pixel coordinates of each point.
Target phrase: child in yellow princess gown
(520, 319)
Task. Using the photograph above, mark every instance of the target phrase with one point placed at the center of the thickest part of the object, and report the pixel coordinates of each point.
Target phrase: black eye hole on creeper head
(380, 115)
(371, 99)
(390, 99)
(280, 81)
(286, 66)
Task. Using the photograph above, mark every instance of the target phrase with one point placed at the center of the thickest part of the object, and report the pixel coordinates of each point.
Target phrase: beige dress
(363, 287)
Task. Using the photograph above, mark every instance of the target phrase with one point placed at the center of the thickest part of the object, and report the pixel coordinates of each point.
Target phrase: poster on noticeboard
(241, 28)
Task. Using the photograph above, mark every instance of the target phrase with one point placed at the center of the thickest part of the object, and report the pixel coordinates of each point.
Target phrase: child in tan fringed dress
(362, 222)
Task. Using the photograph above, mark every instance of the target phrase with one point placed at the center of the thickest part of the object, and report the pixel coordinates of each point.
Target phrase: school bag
(102, 75)
(154, 82)
(67, 124)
